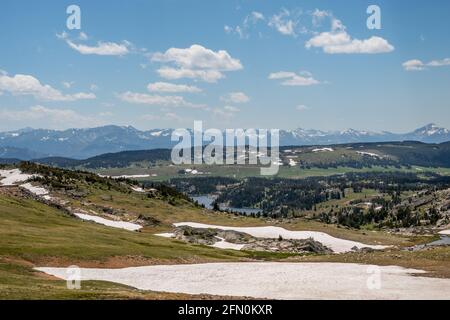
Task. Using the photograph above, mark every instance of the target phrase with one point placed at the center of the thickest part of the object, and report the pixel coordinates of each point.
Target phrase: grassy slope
(33, 234)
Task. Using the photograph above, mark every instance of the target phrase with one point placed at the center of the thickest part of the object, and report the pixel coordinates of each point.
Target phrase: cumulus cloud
(235, 97)
(413, 65)
(156, 100)
(294, 79)
(51, 118)
(339, 41)
(418, 65)
(20, 85)
(196, 62)
(172, 88)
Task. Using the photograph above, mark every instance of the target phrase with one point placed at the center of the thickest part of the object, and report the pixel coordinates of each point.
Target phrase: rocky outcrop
(211, 236)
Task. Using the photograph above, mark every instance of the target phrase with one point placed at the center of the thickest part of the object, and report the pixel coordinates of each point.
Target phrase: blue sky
(264, 64)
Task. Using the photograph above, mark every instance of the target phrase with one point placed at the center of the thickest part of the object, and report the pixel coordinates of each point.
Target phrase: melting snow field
(275, 280)
(335, 244)
(223, 244)
(110, 223)
(12, 177)
(39, 191)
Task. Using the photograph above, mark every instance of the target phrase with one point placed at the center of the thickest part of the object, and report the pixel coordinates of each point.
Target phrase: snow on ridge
(370, 154)
(323, 150)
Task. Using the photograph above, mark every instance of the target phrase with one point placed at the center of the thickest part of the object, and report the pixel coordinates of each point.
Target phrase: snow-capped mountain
(84, 143)
(430, 133)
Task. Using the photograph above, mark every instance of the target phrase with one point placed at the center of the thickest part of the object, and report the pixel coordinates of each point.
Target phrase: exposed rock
(290, 246)
(147, 221)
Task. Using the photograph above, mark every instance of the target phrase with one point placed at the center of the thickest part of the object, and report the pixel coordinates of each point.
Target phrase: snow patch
(292, 162)
(137, 189)
(39, 191)
(13, 176)
(273, 280)
(110, 223)
(323, 150)
(370, 154)
(336, 244)
(223, 244)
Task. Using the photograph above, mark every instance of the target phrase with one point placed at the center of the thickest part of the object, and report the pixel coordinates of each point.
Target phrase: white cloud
(101, 49)
(51, 118)
(68, 84)
(236, 97)
(254, 17)
(301, 107)
(293, 79)
(205, 75)
(318, 16)
(418, 65)
(157, 100)
(413, 65)
(20, 85)
(249, 21)
(196, 62)
(83, 36)
(339, 41)
(199, 57)
(440, 63)
(232, 109)
(283, 23)
(172, 88)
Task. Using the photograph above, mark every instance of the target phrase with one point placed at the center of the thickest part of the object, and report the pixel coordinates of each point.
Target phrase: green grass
(33, 231)
(166, 172)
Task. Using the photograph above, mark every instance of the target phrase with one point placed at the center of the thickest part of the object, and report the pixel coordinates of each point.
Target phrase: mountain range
(26, 144)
